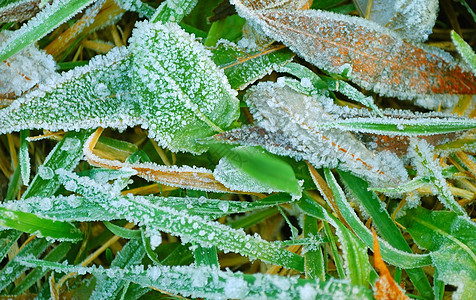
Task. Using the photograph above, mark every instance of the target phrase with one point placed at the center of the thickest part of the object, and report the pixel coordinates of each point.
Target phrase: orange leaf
(377, 58)
(386, 287)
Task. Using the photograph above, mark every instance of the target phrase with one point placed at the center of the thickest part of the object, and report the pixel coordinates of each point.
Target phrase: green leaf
(44, 22)
(450, 238)
(173, 11)
(206, 256)
(209, 283)
(464, 50)
(385, 225)
(7, 239)
(313, 257)
(41, 227)
(253, 169)
(243, 68)
(24, 157)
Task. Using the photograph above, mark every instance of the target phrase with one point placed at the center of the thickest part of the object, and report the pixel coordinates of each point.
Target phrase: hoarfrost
(45, 172)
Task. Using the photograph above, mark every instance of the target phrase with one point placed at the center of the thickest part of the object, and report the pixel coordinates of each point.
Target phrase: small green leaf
(123, 232)
(253, 169)
(24, 157)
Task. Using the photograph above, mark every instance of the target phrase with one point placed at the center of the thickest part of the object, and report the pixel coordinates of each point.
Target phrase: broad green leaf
(164, 82)
(13, 269)
(386, 227)
(206, 282)
(450, 238)
(243, 68)
(50, 17)
(108, 287)
(252, 169)
(464, 50)
(57, 254)
(41, 227)
(184, 96)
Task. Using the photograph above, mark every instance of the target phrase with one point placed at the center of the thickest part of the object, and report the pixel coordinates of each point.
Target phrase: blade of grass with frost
(78, 208)
(422, 154)
(382, 61)
(180, 223)
(313, 257)
(13, 269)
(57, 254)
(40, 227)
(243, 68)
(123, 232)
(24, 157)
(206, 256)
(18, 10)
(109, 287)
(450, 238)
(137, 6)
(173, 10)
(385, 225)
(281, 109)
(251, 169)
(50, 17)
(206, 282)
(393, 256)
(7, 239)
(464, 50)
(413, 20)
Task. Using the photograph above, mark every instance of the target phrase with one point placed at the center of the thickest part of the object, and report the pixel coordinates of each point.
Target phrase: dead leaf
(386, 287)
(375, 57)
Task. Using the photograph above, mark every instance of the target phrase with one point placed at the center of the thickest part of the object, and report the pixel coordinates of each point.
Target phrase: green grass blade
(173, 11)
(243, 68)
(24, 157)
(41, 227)
(44, 22)
(206, 282)
(13, 269)
(7, 239)
(313, 257)
(385, 226)
(390, 254)
(206, 256)
(109, 287)
(123, 232)
(57, 254)
(464, 50)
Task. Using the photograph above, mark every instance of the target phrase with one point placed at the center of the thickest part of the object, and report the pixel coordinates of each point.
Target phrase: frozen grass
(232, 166)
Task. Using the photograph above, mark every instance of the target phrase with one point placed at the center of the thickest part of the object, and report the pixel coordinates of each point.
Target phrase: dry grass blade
(20, 11)
(186, 177)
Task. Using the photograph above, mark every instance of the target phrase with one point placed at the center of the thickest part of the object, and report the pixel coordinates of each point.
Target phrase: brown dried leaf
(19, 11)
(386, 287)
(377, 57)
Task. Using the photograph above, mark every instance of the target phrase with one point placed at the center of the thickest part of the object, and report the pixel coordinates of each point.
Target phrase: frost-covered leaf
(24, 157)
(412, 20)
(281, 109)
(173, 10)
(375, 57)
(242, 68)
(175, 91)
(51, 16)
(211, 283)
(30, 223)
(25, 69)
(251, 169)
(138, 6)
(450, 238)
(464, 50)
(19, 10)
(184, 96)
